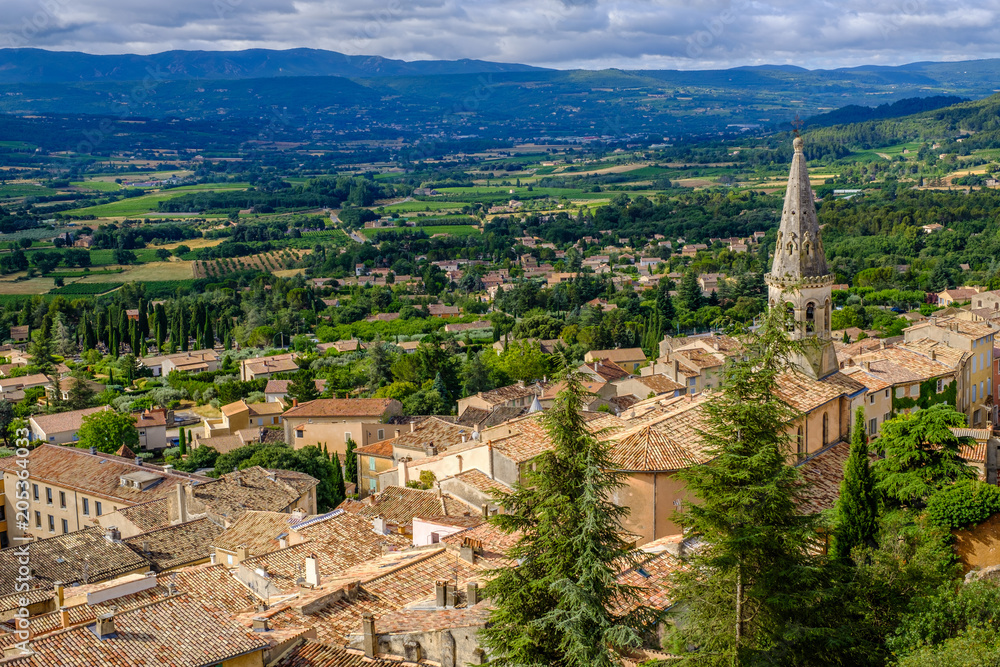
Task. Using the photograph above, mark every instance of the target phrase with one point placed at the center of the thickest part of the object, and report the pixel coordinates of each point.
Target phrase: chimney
(397, 432)
(431, 450)
(295, 402)
(413, 426)
(145, 546)
(368, 628)
(182, 515)
(59, 595)
(298, 514)
(283, 542)
(138, 461)
(467, 553)
(451, 595)
(242, 553)
(472, 595)
(867, 365)
(104, 628)
(112, 534)
(380, 526)
(441, 593)
(260, 624)
(93, 450)
(412, 652)
(312, 570)
(463, 437)
(64, 616)
(933, 355)
(172, 587)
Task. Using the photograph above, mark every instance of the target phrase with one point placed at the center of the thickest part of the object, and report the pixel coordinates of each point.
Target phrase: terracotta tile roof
(508, 393)
(256, 529)
(660, 383)
(382, 448)
(252, 488)
(398, 505)
(177, 545)
(528, 440)
(478, 480)
(406, 621)
(178, 631)
(463, 521)
(618, 355)
(804, 394)
(495, 542)
(150, 418)
(65, 421)
(873, 379)
(314, 654)
(387, 584)
(649, 449)
(72, 557)
(822, 473)
(340, 541)
(441, 433)
(12, 601)
(343, 407)
(592, 386)
(700, 359)
(213, 585)
(148, 516)
(97, 474)
(652, 576)
(277, 386)
(898, 364)
(607, 370)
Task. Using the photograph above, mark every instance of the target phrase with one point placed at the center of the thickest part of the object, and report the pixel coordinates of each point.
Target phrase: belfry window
(810, 318)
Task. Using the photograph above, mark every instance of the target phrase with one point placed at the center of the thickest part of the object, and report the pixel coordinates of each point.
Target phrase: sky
(591, 34)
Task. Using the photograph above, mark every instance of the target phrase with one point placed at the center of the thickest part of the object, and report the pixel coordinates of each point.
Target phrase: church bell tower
(799, 279)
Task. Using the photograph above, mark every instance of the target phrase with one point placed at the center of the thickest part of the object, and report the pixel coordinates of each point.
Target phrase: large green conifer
(857, 507)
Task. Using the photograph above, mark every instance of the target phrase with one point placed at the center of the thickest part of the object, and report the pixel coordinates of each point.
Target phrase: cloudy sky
(684, 34)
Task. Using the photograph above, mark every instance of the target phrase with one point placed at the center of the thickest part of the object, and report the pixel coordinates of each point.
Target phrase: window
(800, 443)
(34, 491)
(299, 433)
(52, 524)
(62, 499)
(826, 428)
(372, 485)
(48, 495)
(887, 393)
(371, 463)
(975, 393)
(97, 507)
(900, 392)
(86, 506)
(38, 519)
(347, 436)
(810, 318)
(381, 434)
(915, 390)
(872, 426)
(229, 559)
(940, 385)
(65, 526)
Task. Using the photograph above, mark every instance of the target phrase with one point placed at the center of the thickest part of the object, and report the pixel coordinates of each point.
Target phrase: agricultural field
(100, 186)
(422, 206)
(430, 230)
(149, 271)
(9, 190)
(276, 260)
(135, 206)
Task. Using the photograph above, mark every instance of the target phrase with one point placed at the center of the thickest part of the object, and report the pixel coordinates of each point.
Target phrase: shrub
(963, 504)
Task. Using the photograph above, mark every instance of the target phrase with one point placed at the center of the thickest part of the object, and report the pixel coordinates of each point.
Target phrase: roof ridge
(405, 564)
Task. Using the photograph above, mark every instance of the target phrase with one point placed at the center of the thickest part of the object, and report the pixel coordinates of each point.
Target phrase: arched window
(826, 428)
(810, 317)
(790, 316)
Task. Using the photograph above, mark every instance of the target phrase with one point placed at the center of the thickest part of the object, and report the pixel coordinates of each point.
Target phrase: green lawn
(423, 206)
(134, 206)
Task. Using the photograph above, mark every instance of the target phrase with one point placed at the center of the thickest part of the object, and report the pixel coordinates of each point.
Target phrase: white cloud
(556, 33)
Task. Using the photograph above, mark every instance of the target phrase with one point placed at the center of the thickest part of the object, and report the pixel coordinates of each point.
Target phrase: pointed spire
(798, 253)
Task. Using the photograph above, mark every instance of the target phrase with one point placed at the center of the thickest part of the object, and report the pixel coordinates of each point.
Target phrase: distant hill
(857, 114)
(40, 66)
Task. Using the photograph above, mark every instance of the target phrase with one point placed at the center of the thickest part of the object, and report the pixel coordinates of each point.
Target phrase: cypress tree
(339, 492)
(857, 507)
(182, 441)
(208, 341)
(563, 604)
(690, 292)
(143, 322)
(162, 326)
(351, 463)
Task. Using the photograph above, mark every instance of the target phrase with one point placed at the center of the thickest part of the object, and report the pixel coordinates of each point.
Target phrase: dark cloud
(682, 34)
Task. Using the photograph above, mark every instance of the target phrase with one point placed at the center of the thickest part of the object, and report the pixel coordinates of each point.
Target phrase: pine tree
(857, 507)
(339, 492)
(690, 292)
(665, 302)
(439, 386)
(182, 441)
(561, 605)
(351, 463)
(753, 592)
(42, 360)
(303, 386)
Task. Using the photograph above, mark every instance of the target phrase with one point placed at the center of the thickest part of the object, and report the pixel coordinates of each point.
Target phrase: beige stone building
(334, 421)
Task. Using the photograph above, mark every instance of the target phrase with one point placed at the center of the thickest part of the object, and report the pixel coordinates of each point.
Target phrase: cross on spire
(797, 124)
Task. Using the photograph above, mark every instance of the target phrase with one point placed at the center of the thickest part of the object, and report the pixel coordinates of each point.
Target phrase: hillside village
(147, 545)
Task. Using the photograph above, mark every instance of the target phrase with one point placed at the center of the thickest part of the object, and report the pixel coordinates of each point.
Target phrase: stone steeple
(799, 279)
(799, 252)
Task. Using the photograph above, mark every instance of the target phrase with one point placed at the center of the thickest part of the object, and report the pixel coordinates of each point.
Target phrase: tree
(6, 418)
(563, 604)
(753, 591)
(351, 463)
(921, 454)
(664, 302)
(107, 431)
(303, 386)
(857, 507)
(475, 375)
(181, 441)
(689, 292)
(162, 254)
(379, 365)
(80, 394)
(123, 256)
(339, 492)
(63, 338)
(42, 359)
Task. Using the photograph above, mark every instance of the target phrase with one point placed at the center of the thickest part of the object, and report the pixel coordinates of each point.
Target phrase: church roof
(799, 251)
